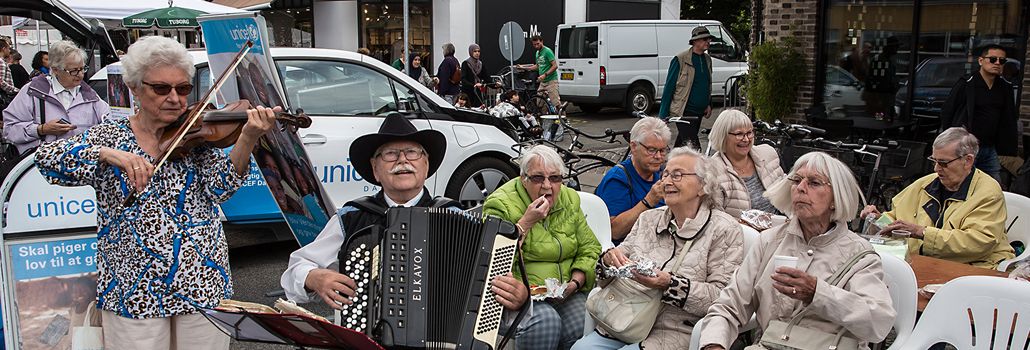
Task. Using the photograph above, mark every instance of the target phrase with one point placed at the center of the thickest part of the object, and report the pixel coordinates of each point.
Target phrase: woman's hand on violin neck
(259, 121)
(136, 168)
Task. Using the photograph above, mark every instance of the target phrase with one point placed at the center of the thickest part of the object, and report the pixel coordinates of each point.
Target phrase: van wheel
(478, 177)
(639, 99)
(590, 108)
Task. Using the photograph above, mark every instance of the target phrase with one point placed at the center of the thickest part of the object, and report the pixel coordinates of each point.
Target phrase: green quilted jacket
(556, 245)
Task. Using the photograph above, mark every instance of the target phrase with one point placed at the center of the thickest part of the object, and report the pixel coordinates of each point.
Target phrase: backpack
(456, 76)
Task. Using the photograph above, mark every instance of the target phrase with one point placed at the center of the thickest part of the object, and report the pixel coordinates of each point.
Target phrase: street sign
(512, 41)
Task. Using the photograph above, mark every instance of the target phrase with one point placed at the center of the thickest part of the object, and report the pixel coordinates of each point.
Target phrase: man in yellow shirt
(956, 213)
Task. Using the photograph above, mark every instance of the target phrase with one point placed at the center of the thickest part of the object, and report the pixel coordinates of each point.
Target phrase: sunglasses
(539, 179)
(165, 89)
(996, 60)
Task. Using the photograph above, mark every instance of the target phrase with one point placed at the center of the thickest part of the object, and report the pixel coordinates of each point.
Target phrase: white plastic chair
(901, 282)
(596, 213)
(975, 313)
(1017, 225)
(751, 237)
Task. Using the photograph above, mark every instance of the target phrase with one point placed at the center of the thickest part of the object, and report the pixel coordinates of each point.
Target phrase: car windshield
(937, 73)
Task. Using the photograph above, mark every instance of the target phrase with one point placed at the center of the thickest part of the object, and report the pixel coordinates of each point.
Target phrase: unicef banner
(284, 164)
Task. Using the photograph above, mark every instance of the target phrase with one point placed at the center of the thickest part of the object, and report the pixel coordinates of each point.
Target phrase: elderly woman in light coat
(820, 195)
(659, 234)
(55, 106)
(743, 170)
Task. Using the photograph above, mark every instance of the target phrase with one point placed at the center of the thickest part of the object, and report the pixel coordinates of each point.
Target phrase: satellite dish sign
(512, 41)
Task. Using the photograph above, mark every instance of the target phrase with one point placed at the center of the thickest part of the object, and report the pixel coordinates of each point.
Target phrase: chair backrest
(901, 281)
(1018, 209)
(751, 237)
(597, 218)
(976, 313)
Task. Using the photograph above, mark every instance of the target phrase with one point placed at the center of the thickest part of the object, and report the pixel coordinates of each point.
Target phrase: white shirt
(320, 253)
(65, 95)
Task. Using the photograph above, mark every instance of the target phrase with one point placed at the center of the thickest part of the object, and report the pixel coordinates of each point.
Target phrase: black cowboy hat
(396, 127)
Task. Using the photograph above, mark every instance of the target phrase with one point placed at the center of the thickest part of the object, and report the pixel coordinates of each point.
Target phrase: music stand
(302, 332)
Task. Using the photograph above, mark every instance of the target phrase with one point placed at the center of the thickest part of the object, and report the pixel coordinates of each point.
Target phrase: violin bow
(195, 114)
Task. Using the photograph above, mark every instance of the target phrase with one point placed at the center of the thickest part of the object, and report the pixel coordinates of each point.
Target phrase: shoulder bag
(781, 335)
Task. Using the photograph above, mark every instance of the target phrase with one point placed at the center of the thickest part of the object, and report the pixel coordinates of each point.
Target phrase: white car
(343, 92)
(842, 89)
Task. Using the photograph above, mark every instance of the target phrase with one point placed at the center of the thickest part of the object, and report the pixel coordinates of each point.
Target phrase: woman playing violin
(164, 255)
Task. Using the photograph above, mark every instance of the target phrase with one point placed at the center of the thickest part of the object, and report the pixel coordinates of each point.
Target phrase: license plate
(566, 76)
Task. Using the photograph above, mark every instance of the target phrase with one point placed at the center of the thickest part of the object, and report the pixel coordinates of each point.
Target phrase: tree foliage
(735, 14)
(778, 68)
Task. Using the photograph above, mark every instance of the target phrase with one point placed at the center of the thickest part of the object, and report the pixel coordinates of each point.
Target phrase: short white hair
(549, 158)
(847, 196)
(61, 53)
(728, 121)
(967, 142)
(702, 167)
(151, 52)
(650, 126)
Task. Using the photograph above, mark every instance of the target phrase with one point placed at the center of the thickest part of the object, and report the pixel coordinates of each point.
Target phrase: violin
(218, 127)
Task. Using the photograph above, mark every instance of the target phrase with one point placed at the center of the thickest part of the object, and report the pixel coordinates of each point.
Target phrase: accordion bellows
(423, 281)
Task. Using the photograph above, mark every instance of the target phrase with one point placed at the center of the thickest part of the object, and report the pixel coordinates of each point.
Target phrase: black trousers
(688, 132)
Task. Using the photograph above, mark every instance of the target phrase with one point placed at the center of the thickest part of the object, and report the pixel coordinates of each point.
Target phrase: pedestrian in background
(547, 67)
(40, 64)
(688, 87)
(18, 72)
(473, 77)
(450, 75)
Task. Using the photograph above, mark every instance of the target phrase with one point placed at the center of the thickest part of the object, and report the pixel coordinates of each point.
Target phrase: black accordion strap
(369, 204)
(525, 305)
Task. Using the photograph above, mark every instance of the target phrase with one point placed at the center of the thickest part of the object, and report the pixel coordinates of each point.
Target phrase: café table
(932, 270)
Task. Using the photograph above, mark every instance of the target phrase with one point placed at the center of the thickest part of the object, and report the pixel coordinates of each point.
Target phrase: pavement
(256, 267)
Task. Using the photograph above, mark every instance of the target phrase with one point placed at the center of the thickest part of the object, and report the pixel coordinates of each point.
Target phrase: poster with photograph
(55, 279)
(119, 97)
(280, 155)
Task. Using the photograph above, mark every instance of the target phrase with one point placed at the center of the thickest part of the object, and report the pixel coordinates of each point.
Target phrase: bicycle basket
(905, 162)
(554, 131)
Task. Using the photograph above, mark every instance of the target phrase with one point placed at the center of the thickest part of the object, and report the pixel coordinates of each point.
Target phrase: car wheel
(477, 178)
(639, 100)
(590, 108)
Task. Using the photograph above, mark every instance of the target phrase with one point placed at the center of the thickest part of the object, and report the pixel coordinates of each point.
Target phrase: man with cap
(688, 87)
(398, 158)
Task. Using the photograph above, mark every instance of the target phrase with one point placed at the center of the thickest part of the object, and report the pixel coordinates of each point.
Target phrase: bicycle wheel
(585, 173)
(537, 106)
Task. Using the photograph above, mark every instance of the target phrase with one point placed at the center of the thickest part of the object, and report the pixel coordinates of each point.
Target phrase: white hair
(549, 158)
(847, 196)
(61, 53)
(728, 121)
(650, 126)
(150, 52)
(702, 167)
(967, 143)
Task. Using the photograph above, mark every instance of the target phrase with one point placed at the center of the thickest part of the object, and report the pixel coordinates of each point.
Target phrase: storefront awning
(290, 4)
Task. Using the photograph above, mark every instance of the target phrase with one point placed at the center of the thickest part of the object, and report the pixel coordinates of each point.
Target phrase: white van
(624, 63)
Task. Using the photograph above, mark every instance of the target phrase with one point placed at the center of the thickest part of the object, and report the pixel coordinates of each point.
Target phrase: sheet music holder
(300, 331)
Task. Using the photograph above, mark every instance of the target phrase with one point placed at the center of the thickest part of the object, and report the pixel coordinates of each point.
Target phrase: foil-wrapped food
(757, 219)
(640, 265)
(553, 289)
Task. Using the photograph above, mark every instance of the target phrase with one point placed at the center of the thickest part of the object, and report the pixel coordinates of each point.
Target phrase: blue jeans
(595, 340)
(988, 162)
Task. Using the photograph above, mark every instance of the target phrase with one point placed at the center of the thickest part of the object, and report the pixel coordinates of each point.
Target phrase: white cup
(783, 260)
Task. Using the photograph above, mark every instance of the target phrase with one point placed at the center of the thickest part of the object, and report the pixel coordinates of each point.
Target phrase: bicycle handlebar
(857, 147)
(609, 134)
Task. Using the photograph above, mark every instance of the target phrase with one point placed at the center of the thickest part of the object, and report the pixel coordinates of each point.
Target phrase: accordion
(423, 281)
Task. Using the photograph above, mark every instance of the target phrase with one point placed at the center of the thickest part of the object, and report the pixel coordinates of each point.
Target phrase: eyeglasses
(651, 151)
(392, 155)
(539, 179)
(996, 60)
(750, 134)
(943, 163)
(812, 183)
(676, 176)
(165, 89)
(76, 71)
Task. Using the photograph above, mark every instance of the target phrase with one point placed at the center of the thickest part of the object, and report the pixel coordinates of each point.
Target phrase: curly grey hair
(649, 126)
(62, 53)
(549, 158)
(967, 143)
(150, 52)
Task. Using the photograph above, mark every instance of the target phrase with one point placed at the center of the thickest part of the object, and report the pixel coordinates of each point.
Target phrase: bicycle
(879, 189)
(579, 161)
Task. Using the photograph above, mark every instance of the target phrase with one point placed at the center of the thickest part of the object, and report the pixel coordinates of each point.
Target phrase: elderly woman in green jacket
(556, 243)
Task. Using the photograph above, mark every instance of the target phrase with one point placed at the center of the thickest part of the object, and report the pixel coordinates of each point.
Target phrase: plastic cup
(783, 260)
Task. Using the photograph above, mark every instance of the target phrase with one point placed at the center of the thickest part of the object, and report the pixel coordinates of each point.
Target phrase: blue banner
(239, 30)
(54, 258)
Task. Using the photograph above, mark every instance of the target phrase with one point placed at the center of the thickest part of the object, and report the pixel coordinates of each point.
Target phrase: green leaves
(777, 70)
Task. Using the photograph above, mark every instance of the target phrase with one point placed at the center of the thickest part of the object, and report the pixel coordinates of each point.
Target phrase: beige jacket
(732, 195)
(709, 264)
(862, 305)
(685, 81)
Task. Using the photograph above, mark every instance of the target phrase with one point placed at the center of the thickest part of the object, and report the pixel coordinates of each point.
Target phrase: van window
(580, 42)
(723, 46)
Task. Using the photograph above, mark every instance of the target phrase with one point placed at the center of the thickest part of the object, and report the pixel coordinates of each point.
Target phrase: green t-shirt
(544, 57)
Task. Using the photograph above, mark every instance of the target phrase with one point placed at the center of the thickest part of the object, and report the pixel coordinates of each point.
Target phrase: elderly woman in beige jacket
(659, 235)
(820, 195)
(743, 171)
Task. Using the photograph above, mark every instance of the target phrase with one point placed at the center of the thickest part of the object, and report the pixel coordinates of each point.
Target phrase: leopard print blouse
(166, 254)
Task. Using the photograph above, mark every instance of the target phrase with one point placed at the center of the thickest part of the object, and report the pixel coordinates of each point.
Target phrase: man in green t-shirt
(547, 65)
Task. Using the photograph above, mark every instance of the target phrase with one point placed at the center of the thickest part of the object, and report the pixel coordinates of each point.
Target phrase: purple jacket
(22, 116)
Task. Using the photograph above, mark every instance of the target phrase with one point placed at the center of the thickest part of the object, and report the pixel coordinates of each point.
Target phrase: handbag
(626, 309)
(781, 335)
(90, 336)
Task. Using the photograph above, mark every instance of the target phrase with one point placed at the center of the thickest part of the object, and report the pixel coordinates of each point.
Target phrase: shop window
(290, 27)
(336, 88)
(382, 30)
(578, 42)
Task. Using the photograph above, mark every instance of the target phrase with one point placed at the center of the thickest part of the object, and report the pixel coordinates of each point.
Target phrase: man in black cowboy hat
(688, 87)
(398, 158)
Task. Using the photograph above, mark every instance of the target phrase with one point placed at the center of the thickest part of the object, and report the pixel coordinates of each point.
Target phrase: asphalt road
(256, 268)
